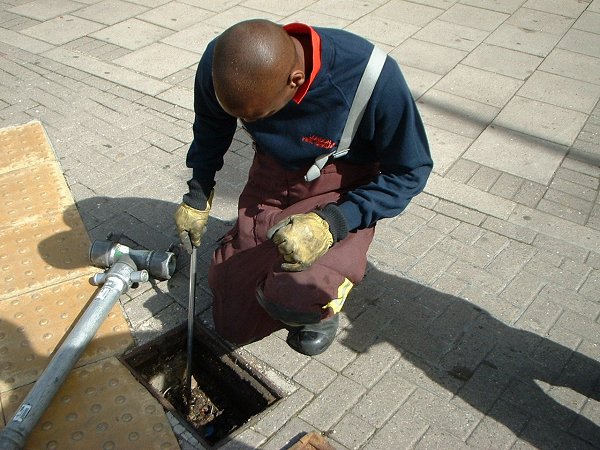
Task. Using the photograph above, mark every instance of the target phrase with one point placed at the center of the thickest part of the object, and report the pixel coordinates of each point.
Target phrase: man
(297, 247)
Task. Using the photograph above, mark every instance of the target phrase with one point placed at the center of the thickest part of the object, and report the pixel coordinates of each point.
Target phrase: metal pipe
(190, 328)
(119, 278)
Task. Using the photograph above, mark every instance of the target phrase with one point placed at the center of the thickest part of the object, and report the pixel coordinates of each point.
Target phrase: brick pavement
(477, 325)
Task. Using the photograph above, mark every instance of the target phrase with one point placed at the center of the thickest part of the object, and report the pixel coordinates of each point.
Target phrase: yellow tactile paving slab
(44, 287)
(32, 326)
(42, 238)
(100, 406)
(42, 253)
(29, 192)
(23, 146)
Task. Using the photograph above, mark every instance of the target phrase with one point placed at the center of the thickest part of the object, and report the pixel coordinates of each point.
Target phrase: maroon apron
(247, 260)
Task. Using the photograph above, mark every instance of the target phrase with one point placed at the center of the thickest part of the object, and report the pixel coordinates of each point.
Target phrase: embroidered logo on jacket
(319, 141)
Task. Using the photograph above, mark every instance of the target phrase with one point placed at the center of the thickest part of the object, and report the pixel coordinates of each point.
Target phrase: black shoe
(313, 338)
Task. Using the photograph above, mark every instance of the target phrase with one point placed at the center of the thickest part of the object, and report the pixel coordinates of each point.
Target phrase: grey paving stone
(479, 85)
(365, 328)
(510, 261)
(562, 211)
(573, 65)
(555, 227)
(352, 431)
(536, 19)
(62, 29)
(131, 34)
(572, 300)
(460, 212)
(350, 10)
(454, 113)
(430, 267)
(407, 224)
(383, 399)
(166, 60)
(580, 194)
(237, 13)
(538, 113)
(463, 170)
(289, 434)
(484, 178)
(403, 430)
(584, 176)
(580, 326)
(110, 12)
(315, 376)
(108, 71)
(436, 438)
(591, 286)
(421, 241)
(465, 251)
(515, 38)
(24, 42)
(480, 18)
(326, 409)
(575, 202)
(452, 35)
(368, 367)
(248, 438)
(507, 185)
(514, 150)
(530, 193)
(446, 149)
(588, 21)
(492, 433)
(194, 38)
(561, 91)
(443, 223)
(470, 197)
(508, 6)
(176, 16)
(428, 56)
(280, 356)
(503, 61)
(454, 421)
(505, 312)
(385, 29)
(569, 8)
(44, 10)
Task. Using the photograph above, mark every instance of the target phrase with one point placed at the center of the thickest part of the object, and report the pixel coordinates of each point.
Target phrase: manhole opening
(229, 392)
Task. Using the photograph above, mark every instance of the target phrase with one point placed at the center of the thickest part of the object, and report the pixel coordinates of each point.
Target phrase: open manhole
(228, 394)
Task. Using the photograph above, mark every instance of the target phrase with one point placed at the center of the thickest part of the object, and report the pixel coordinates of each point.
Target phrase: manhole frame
(228, 356)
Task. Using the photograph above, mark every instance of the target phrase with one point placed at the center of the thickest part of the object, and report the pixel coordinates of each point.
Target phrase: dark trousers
(247, 260)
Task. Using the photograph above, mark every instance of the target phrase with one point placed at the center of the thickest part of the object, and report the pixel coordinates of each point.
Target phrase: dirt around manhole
(225, 395)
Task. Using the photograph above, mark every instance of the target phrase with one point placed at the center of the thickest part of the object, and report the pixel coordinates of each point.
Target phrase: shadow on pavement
(515, 377)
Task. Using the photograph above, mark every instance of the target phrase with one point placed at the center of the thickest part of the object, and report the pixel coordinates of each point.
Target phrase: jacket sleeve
(213, 131)
(393, 128)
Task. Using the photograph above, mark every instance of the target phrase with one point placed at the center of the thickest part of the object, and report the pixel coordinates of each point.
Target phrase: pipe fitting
(159, 264)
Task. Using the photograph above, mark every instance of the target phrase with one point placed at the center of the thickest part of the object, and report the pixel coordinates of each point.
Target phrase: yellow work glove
(301, 239)
(191, 223)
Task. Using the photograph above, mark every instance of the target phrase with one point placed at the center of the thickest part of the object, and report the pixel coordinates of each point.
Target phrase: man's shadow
(139, 223)
(506, 373)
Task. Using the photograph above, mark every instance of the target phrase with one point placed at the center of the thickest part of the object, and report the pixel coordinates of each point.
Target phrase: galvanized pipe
(119, 278)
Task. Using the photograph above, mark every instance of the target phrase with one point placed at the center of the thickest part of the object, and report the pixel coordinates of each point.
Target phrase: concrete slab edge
(469, 197)
(107, 71)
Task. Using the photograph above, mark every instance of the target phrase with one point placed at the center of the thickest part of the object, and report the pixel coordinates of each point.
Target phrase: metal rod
(116, 281)
(190, 328)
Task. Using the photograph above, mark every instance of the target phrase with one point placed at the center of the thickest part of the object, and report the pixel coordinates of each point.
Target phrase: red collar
(314, 51)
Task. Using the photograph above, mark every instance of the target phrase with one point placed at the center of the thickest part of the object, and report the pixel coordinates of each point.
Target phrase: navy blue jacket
(391, 131)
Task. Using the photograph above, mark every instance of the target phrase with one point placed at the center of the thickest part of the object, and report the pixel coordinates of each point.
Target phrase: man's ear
(296, 79)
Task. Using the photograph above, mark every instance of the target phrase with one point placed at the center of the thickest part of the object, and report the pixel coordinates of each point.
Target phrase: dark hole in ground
(229, 391)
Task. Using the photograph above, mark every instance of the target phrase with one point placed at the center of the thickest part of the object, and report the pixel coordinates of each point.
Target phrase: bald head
(256, 66)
